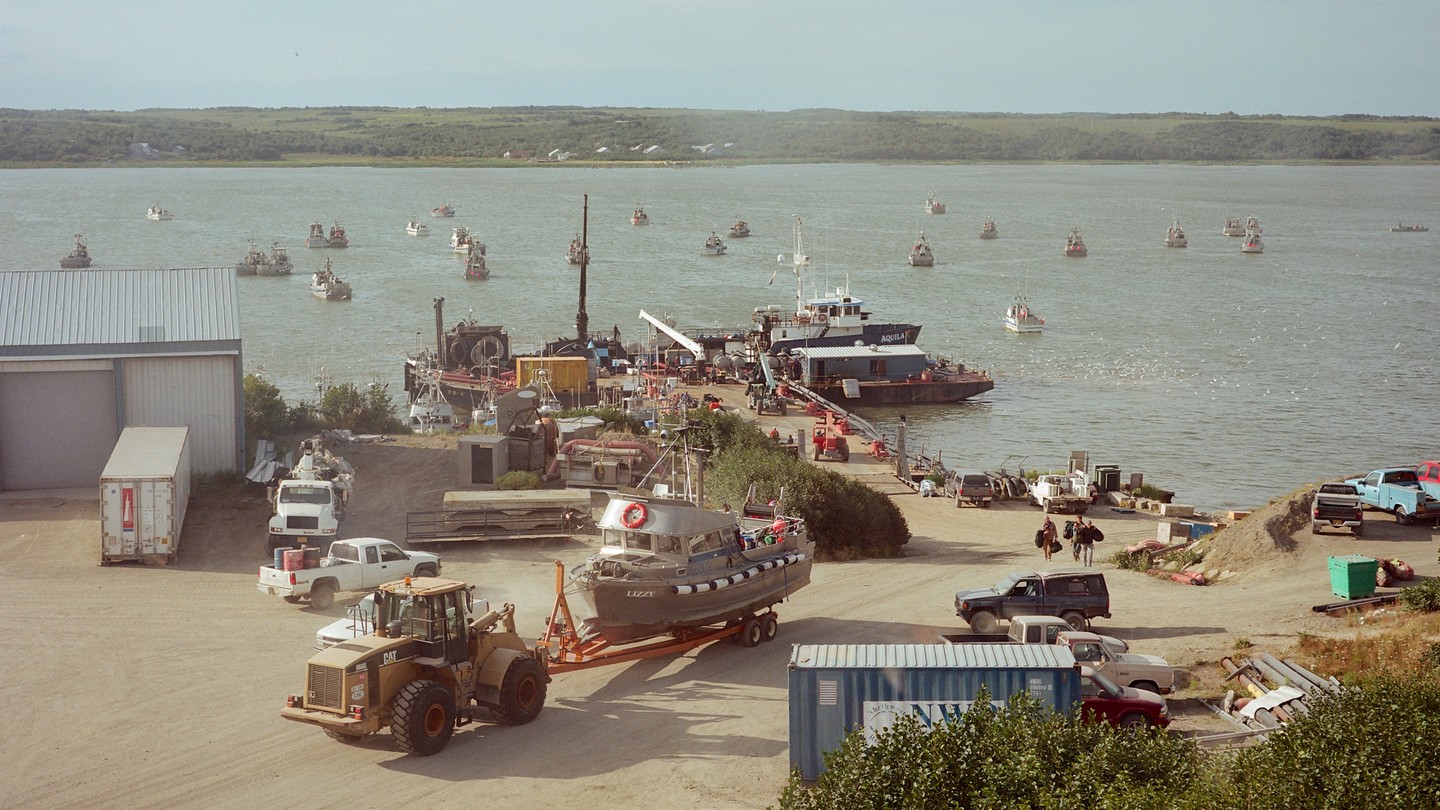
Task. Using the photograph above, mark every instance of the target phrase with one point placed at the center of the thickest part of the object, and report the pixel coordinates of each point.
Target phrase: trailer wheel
(522, 693)
(769, 627)
(423, 718)
(322, 595)
(1402, 517)
(984, 622)
(750, 632)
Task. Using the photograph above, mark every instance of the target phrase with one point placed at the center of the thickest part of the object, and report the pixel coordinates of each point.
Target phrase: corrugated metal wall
(57, 426)
(195, 391)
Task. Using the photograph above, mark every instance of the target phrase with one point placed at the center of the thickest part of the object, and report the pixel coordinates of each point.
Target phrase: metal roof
(930, 656)
(835, 352)
(98, 308)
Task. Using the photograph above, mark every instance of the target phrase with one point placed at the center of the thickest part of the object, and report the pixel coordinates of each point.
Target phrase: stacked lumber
(1274, 691)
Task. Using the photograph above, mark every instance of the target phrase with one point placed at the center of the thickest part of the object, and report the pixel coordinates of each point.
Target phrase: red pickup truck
(1104, 701)
(1429, 474)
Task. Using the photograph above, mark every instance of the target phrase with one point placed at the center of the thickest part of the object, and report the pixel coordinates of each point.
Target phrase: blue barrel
(280, 559)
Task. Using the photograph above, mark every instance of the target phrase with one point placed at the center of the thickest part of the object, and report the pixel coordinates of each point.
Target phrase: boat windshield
(701, 544)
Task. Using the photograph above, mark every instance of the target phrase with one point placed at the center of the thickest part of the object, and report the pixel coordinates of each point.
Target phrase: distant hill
(503, 135)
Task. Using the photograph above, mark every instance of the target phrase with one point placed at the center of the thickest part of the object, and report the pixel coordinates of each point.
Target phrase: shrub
(266, 414)
(518, 479)
(1422, 597)
(1131, 560)
(346, 407)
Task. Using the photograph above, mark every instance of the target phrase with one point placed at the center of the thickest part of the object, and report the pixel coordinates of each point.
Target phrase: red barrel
(294, 559)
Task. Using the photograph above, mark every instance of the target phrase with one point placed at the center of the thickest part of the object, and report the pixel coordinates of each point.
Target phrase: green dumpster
(1352, 576)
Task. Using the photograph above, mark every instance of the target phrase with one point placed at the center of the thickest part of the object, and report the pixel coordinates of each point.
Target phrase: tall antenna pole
(582, 320)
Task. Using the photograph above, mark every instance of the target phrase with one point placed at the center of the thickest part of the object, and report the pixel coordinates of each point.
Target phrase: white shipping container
(144, 490)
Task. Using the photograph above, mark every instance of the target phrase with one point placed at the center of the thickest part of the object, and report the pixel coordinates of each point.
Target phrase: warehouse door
(57, 428)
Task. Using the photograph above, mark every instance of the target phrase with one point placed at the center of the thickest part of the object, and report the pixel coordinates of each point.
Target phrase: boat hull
(1024, 327)
(68, 263)
(945, 390)
(626, 609)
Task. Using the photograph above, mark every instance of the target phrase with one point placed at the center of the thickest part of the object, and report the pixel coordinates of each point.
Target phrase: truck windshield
(1007, 583)
(316, 495)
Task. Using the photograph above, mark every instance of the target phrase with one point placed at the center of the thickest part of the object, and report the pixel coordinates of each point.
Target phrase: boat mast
(440, 359)
(582, 320)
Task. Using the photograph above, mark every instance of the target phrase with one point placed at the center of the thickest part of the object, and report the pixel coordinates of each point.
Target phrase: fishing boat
(920, 254)
(1252, 224)
(429, 411)
(325, 284)
(1252, 243)
(884, 375)
(714, 245)
(475, 269)
(254, 262)
(1232, 227)
(317, 238)
(1175, 237)
(665, 566)
(472, 363)
(837, 319)
(445, 210)
(461, 239)
(578, 251)
(739, 230)
(1403, 228)
(158, 214)
(934, 206)
(279, 260)
(337, 238)
(417, 228)
(639, 217)
(987, 230)
(78, 258)
(1021, 318)
(1075, 244)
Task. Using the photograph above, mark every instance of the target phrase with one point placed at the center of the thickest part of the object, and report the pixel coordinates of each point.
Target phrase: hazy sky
(1294, 57)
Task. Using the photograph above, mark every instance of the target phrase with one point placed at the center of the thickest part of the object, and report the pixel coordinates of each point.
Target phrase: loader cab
(435, 618)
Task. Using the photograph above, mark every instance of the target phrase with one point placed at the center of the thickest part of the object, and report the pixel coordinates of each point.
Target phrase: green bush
(1130, 560)
(1422, 597)
(266, 414)
(517, 479)
(346, 407)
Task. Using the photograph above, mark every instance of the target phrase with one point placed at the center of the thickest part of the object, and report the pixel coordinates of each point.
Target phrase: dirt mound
(1267, 536)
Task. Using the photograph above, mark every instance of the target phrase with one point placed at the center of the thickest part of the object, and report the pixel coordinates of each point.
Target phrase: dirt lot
(135, 686)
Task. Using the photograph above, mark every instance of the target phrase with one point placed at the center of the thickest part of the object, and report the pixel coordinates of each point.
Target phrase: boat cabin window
(714, 541)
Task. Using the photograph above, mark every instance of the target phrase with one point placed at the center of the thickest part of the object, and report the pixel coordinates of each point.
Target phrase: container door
(117, 522)
(145, 517)
(162, 501)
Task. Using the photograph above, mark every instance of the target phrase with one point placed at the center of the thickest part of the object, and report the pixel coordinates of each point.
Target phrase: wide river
(1228, 378)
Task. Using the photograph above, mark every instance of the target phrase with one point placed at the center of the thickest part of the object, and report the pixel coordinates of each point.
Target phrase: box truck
(143, 493)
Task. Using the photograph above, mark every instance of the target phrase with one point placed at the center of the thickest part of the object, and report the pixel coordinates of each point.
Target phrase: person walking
(1047, 534)
(1085, 533)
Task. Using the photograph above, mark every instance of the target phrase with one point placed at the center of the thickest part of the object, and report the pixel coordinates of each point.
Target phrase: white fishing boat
(429, 411)
(417, 228)
(1175, 237)
(1252, 224)
(280, 260)
(920, 253)
(461, 240)
(578, 251)
(987, 230)
(1075, 244)
(1232, 227)
(158, 214)
(1021, 318)
(1403, 228)
(714, 245)
(325, 284)
(934, 206)
(317, 237)
(639, 217)
(1252, 243)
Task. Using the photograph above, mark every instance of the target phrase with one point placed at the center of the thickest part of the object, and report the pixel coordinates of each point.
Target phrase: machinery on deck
(826, 440)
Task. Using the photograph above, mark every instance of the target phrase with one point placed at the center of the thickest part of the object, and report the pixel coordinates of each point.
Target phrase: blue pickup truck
(1397, 490)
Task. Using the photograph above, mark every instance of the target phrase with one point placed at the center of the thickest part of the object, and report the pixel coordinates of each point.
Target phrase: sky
(1289, 57)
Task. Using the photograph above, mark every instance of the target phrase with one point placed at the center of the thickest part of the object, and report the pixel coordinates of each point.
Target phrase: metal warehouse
(87, 353)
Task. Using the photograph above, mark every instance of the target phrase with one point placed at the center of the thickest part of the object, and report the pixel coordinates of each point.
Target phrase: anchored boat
(1075, 244)
(920, 254)
(987, 231)
(78, 257)
(1175, 237)
(325, 284)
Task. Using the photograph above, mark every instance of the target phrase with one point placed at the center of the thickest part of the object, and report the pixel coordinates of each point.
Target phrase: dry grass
(1384, 642)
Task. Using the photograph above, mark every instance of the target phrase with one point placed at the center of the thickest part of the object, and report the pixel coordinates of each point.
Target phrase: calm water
(1228, 378)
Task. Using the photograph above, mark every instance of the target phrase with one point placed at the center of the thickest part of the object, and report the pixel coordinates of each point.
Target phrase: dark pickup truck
(1075, 596)
(1336, 505)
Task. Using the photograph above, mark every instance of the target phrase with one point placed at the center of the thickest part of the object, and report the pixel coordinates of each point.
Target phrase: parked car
(1075, 596)
(1103, 700)
(1031, 630)
(1336, 505)
(969, 487)
(1149, 672)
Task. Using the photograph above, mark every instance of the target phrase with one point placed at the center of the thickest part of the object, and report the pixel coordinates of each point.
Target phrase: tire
(751, 633)
(1355, 532)
(984, 504)
(1075, 619)
(1147, 686)
(959, 502)
(322, 595)
(769, 627)
(522, 693)
(1133, 721)
(844, 451)
(782, 409)
(1402, 517)
(423, 718)
(984, 622)
(816, 454)
(425, 571)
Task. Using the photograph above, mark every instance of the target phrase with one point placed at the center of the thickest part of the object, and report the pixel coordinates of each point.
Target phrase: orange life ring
(634, 516)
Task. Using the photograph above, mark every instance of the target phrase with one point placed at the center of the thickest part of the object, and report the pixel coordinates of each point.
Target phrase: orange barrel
(294, 559)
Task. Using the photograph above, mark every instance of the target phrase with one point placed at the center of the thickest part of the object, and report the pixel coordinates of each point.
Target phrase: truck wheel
(769, 627)
(522, 693)
(782, 409)
(1355, 532)
(816, 455)
(423, 718)
(1133, 720)
(1402, 517)
(1147, 686)
(984, 504)
(751, 633)
(322, 595)
(959, 502)
(984, 622)
(844, 451)
(1075, 619)
(425, 571)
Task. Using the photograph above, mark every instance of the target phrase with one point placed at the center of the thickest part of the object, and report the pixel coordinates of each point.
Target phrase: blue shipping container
(837, 688)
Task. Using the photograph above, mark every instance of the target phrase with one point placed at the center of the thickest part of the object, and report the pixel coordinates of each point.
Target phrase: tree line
(380, 135)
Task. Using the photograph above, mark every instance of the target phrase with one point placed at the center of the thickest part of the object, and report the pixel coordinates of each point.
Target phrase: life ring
(634, 516)
(820, 318)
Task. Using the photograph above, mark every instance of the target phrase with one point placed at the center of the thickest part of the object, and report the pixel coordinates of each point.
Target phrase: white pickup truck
(1031, 630)
(1065, 494)
(1149, 672)
(352, 565)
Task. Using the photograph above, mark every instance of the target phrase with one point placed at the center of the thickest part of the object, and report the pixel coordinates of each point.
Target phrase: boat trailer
(562, 649)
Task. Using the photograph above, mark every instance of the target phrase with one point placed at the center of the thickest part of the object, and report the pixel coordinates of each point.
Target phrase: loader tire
(423, 718)
(522, 693)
